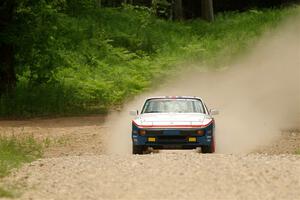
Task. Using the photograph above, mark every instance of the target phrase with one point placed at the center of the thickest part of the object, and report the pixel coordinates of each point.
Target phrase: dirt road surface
(178, 175)
(65, 136)
(78, 169)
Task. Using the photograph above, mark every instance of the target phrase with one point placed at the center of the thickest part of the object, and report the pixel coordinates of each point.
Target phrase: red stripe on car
(172, 126)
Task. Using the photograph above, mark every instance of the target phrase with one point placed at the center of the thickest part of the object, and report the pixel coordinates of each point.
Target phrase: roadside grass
(101, 58)
(14, 151)
(6, 193)
(298, 152)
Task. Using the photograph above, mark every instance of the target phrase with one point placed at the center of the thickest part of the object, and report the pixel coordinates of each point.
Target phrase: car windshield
(173, 106)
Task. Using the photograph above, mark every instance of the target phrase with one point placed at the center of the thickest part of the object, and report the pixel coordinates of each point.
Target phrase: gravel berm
(166, 175)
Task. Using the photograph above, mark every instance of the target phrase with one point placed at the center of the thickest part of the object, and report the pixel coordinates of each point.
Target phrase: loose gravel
(166, 175)
(78, 169)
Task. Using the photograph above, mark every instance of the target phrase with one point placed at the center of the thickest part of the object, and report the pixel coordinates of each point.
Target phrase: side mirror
(213, 112)
(134, 112)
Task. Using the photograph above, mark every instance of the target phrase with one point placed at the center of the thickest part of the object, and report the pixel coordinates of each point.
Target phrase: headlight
(200, 132)
(142, 132)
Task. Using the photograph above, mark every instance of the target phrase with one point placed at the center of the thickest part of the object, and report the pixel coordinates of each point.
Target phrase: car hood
(171, 119)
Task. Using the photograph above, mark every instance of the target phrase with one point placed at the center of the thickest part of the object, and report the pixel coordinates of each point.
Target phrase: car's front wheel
(137, 149)
(209, 148)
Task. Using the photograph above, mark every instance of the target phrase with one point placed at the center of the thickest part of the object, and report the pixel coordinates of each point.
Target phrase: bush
(89, 62)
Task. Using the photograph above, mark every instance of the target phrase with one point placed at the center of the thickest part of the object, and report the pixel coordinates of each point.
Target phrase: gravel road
(166, 175)
(66, 136)
(78, 169)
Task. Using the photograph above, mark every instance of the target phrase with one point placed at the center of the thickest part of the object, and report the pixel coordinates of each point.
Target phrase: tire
(210, 148)
(207, 149)
(137, 149)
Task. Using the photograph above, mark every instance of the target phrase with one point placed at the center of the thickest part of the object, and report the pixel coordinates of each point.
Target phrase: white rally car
(179, 122)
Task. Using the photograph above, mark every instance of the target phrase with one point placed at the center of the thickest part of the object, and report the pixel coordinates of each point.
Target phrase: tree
(207, 10)
(128, 1)
(98, 3)
(7, 70)
(178, 12)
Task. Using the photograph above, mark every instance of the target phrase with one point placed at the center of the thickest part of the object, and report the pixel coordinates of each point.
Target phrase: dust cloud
(258, 95)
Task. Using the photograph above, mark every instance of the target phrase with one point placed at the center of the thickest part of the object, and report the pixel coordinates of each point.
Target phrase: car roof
(174, 97)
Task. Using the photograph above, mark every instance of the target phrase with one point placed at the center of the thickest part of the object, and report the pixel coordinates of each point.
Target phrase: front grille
(171, 139)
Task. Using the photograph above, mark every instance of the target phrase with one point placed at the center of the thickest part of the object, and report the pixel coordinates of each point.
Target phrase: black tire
(137, 149)
(207, 149)
(210, 148)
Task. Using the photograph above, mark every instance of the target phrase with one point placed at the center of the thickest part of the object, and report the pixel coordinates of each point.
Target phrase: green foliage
(162, 8)
(88, 61)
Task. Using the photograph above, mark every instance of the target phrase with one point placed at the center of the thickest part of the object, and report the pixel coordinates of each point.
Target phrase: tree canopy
(49, 42)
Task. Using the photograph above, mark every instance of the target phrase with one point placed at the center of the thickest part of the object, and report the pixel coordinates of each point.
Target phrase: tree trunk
(178, 12)
(154, 6)
(99, 3)
(128, 2)
(7, 70)
(207, 10)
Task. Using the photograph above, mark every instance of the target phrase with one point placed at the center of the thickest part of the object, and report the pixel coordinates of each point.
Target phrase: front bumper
(173, 138)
